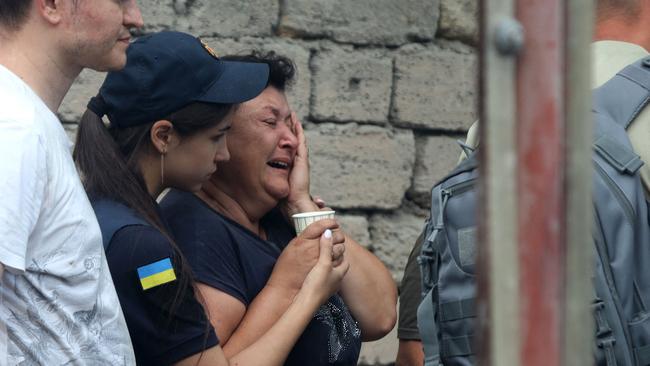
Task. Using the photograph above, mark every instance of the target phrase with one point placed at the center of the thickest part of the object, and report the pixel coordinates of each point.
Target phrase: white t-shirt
(57, 301)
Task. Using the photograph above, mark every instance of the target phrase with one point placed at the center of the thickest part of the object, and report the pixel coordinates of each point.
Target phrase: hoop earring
(162, 168)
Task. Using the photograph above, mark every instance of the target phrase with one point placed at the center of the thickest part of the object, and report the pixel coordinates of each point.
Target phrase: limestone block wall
(384, 88)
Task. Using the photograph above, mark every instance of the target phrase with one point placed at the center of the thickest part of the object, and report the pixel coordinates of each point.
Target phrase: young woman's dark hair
(107, 158)
(282, 70)
(13, 13)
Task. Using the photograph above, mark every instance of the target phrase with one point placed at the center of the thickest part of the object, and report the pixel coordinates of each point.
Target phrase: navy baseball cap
(167, 71)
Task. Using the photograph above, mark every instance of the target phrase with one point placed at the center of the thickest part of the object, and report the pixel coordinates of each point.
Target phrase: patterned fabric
(58, 305)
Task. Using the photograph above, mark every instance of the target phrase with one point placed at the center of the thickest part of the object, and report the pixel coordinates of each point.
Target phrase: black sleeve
(213, 252)
(166, 322)
(410, 296)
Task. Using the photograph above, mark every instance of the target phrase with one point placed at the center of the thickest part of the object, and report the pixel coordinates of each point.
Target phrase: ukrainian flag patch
(156, 274)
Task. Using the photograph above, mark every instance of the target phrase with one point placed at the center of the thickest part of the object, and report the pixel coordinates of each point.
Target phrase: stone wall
(384, 88)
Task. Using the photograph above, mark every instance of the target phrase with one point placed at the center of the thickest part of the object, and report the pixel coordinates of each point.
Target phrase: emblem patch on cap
(209, 49)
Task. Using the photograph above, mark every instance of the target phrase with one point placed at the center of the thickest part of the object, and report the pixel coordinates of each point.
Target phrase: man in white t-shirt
(57, 301)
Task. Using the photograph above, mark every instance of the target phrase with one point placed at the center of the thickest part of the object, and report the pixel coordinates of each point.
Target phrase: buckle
(606, 343)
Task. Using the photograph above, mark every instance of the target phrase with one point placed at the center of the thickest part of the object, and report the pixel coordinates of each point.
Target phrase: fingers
(299, 176)
(316, 229)
(342, 268)
(327, 254)
(338, 237)
(326, 248)
(300, 134)
(338, 251)
(319, 202)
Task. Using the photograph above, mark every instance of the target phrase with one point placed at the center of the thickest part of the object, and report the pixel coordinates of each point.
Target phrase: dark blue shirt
(232, 259)
(166, 322)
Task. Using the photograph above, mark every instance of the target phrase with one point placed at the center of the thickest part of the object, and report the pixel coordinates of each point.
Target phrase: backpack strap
(113, 216)
(625, 95)
(468, 150)
(428, 328)
(619, 101)
(604, 334)
(466, 165)
(428, 260)
(617, 155)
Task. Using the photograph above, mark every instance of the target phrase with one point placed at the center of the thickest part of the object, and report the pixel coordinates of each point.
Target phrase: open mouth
(278, 164)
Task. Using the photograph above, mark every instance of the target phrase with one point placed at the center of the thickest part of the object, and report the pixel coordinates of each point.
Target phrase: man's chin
(114, 63)
(116, 66)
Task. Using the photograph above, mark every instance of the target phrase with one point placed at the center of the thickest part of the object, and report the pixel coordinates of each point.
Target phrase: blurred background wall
(384, 88)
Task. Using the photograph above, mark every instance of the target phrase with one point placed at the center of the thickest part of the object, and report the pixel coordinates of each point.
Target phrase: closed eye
(218, 137)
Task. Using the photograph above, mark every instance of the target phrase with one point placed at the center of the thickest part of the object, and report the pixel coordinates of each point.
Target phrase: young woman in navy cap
(169, 115)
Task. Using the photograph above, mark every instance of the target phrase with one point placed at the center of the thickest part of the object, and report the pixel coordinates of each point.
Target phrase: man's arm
(23, 172)
(410, 351)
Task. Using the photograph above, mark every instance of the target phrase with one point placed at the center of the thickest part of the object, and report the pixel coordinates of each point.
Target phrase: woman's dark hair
(281, 69)
(107, 158)
(13, 13)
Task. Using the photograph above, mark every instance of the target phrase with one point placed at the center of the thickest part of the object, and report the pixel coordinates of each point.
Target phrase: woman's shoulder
(179, 203)
(135, 246)
(112, 216)
(184, 210)
(192, 220)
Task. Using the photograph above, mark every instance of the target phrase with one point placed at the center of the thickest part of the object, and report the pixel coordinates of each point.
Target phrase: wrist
(286, 291)
(309, 297)
(302, 205)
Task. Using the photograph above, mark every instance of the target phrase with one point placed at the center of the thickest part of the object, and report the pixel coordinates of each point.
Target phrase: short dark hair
(13, 13)
(616, 8)
(282, 70)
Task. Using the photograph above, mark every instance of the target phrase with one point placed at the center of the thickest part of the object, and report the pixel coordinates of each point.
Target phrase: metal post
(577, 320)
(498, 265)
(540, 181)
(534, 261)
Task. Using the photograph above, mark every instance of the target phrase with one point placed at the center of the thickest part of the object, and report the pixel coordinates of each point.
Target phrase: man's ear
(52, 11)
(163, 136)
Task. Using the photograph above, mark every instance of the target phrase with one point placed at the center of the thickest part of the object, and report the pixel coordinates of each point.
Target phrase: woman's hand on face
(302, 253)
(299, 199)
(325, 278)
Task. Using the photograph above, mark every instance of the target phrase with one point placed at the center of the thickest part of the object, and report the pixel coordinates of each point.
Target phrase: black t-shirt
(158, 337)
(229, 257)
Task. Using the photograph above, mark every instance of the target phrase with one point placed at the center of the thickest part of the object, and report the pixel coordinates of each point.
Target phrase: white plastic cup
(302, 220)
